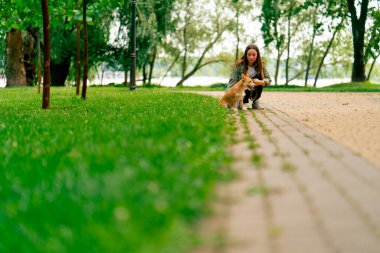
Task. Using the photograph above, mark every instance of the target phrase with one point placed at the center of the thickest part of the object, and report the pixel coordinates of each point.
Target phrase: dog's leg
(224, 103)
(241, 105)
(234, 107)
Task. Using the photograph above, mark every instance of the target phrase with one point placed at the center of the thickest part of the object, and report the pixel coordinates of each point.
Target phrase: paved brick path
(298, 191)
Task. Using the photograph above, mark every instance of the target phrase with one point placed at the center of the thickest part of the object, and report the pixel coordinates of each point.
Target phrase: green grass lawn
(342, 87)
(120, 172)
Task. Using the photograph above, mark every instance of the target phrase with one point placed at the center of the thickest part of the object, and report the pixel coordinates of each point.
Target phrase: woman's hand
(258, 82)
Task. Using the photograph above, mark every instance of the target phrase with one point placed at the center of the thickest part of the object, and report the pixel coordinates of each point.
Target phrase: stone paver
(310, 194)
(342, 203)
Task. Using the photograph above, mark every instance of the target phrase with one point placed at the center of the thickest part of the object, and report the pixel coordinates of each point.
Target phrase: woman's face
(251, 56)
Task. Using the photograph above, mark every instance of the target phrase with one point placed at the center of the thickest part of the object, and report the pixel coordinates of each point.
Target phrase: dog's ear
(243, 77)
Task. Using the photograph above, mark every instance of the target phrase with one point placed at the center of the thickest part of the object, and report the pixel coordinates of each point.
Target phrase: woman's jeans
(253, 94)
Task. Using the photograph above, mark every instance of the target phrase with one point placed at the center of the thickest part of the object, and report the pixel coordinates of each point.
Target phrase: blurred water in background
(202, 81)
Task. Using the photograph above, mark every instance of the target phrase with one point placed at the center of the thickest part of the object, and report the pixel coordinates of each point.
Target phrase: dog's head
(247, 82)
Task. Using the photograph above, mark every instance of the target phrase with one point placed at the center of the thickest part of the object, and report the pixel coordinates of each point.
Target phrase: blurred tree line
(306, 33)
(302, 37)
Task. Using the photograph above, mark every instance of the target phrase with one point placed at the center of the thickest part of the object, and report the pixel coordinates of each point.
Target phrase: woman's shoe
(248, 105)
(257, 106)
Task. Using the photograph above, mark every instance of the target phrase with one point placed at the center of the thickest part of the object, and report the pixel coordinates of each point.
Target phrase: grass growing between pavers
(120, 172)
(289, 167)
(257, 159)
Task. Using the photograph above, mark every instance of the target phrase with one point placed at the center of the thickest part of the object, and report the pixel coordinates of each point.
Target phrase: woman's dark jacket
(238, 71)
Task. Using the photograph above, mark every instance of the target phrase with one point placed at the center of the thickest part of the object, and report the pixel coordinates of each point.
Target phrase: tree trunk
(78, 54)
(371, 68)
(60, 71)
(311, 45)
(103, 69)
(288, 51)
(277, 67)
(199, 63)
(194, 70)
(338, 27)
(184, 59)
(358, 31)
(132, 86)
(39, 63)
(15, 70)
(151, 64)
(126, 78)
(85, 56)
(358, 67)
(309, 58)
(46, 29)
(30, 67)
(144, 74)
(237, 35)
(278, 46)
(183, 72)
(171, 66)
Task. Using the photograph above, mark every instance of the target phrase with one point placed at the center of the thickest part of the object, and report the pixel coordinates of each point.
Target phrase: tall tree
(196, 35)
(154, 23)
(241, 8)
(46, 30)
(327, 50)
(25, 16)
(163, 11)
(271, 29)
(372, 49)
(62, 52)
(29, 43)
(185, 35)
(15, 70)
(78, 52)
(279, 28)
(335, 12)
(358, 30)
(38, 63)
(315, 27)
(85, 56)
(291, 9)
(2, 55)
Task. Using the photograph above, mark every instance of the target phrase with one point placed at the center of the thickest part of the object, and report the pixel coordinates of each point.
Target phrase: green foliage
(373, 46)
(270, 15)
(197, 31)
(119, 172)
(153, 22)
(358, 87)
(162, 25)
(19, 14)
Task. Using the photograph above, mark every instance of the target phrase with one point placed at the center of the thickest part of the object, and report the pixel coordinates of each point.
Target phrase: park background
(190, 42)
(123, 171)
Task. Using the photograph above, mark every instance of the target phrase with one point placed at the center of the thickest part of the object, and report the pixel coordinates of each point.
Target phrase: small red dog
(236, 94)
